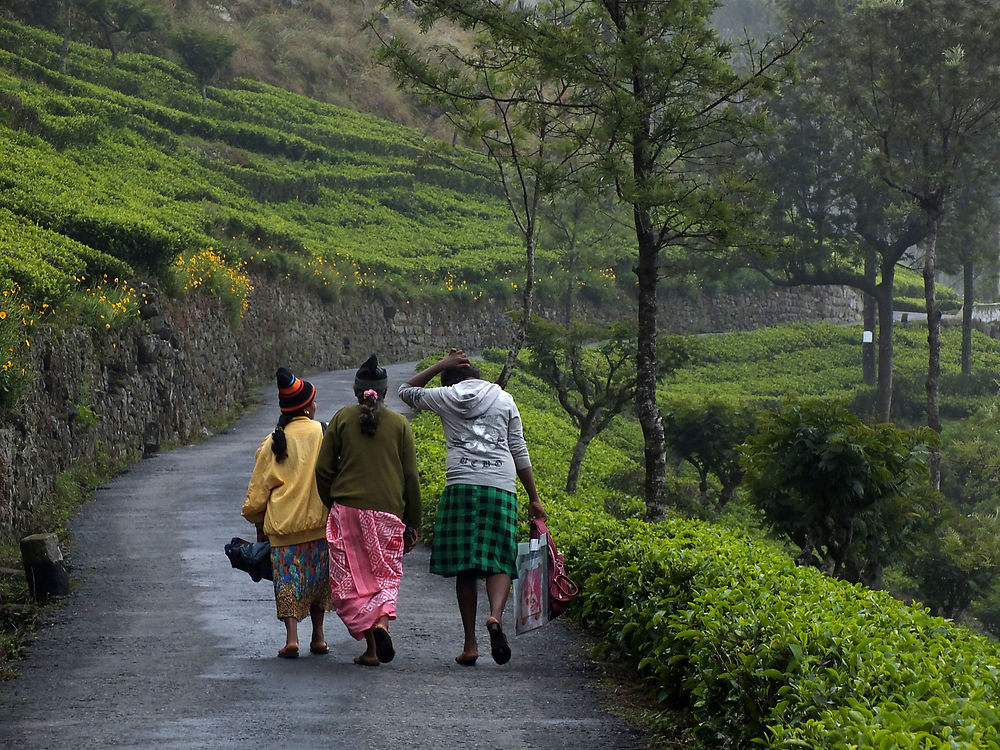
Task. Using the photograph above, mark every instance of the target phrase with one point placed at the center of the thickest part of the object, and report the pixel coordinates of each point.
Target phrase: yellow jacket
(282, 496)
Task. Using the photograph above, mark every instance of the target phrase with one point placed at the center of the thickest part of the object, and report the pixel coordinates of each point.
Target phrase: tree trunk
(572, 262)
(67, 34)
(868, 355)
(647, 271)
(883, 387)
(647, 408)
(521, 331)
(932, 384)
(968, 300)
(587, 432)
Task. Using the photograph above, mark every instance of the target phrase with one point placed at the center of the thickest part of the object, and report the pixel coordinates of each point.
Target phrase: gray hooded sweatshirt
(482, 429)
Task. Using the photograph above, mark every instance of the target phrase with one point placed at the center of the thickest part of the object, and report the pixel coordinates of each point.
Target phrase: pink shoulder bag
(561, 588)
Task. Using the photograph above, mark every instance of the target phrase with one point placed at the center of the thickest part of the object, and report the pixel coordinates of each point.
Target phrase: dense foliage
(844, 491)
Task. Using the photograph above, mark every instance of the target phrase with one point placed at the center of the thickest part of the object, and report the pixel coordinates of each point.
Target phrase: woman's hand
(535, 510)
(454, 358)
(410, 539)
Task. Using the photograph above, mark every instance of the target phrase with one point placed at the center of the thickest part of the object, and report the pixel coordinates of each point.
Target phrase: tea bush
(761, 651)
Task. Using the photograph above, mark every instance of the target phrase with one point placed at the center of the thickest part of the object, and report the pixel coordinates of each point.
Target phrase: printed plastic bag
(561, 588)
(531, 600)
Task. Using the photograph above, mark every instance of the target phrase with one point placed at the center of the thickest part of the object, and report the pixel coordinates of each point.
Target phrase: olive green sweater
(370, 472)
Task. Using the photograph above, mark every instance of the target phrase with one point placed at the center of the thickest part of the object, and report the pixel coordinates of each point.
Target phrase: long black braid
(370, 403)
(279, 444)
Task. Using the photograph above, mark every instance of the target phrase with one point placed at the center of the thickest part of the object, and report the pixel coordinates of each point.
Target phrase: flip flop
(499, 648)
(319, 648)
(466, 661)
(364, 662)
(289, 652)
(383, 644)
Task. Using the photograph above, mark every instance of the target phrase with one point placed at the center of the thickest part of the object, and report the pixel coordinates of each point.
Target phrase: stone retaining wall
(103, 398)
(749, 310)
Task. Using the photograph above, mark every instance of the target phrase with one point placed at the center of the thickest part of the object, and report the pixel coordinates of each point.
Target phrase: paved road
(164, 645)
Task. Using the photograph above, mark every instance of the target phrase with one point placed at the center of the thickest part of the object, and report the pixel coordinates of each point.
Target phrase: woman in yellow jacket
(282, 502)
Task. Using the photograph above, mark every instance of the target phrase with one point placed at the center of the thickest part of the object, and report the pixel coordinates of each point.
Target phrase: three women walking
(341, 508)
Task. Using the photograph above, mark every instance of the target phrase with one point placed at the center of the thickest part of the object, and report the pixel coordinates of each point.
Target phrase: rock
(43, 567)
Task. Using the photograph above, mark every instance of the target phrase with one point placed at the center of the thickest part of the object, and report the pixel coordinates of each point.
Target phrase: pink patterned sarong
(366, 565)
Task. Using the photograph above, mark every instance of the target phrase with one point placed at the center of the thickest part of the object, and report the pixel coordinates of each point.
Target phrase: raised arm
(454, 358)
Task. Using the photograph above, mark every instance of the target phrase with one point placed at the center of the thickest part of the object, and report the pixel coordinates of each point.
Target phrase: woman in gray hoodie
(475, 531)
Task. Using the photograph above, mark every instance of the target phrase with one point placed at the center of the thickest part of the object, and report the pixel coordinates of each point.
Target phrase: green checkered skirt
(475, 530)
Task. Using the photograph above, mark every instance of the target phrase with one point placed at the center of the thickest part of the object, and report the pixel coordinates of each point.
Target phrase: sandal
(466, 661)
(499, 648)
(289, 652)
(319, 648)
(383, 644)
(365, 661)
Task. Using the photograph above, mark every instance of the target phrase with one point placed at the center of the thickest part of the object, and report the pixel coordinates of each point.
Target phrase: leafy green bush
(958, 561)
(759, 650)
(707, 432)
(845, 492)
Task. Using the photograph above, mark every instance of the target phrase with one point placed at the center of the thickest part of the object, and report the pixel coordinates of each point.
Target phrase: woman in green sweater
(366, 474)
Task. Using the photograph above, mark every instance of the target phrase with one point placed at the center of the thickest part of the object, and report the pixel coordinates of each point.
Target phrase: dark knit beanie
(294, 394)
(370, 375)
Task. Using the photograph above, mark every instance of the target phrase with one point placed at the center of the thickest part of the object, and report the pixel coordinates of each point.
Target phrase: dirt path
(164, 645)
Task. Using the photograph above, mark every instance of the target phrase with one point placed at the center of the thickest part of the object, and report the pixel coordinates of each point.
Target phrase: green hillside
(112, 176)
(129, 162)
(823, 360)
(314, 48)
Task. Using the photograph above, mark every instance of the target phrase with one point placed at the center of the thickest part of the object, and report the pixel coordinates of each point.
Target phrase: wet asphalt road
(164, 645)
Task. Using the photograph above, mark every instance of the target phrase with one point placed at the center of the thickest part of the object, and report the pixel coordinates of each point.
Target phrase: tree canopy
(648, 97)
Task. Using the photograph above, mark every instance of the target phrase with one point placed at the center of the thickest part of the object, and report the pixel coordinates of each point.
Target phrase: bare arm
(535, 509)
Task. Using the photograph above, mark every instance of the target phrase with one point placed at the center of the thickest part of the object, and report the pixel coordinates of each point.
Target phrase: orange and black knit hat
(294, 394)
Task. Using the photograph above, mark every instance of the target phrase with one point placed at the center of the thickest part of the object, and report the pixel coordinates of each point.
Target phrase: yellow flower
(3, 314)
